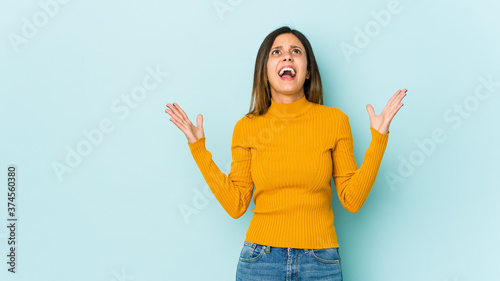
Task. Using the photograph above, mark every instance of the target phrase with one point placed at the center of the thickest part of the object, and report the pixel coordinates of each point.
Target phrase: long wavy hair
(261, 91)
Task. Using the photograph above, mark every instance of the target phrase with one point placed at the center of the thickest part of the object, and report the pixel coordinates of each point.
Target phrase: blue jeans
(260, 262)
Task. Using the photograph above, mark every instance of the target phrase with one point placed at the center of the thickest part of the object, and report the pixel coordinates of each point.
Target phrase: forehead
(286, 40)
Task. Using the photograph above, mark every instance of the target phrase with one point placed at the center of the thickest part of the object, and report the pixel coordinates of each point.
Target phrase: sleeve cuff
(379, 140)
(375, 132)
(197, 146)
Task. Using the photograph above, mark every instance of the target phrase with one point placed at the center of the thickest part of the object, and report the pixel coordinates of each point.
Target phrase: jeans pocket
(328, 255)
(251, 252)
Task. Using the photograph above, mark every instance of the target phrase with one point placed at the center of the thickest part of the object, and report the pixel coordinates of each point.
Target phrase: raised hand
(180, 119)
(382, 121)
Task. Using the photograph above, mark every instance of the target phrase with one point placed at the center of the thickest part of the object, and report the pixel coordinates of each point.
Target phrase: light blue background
(116, 215)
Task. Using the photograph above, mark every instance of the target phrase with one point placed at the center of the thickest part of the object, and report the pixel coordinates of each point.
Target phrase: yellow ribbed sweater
(290, 154)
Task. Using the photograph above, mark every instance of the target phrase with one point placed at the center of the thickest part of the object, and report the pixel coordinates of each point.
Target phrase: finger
(176, 123)
(172, 112)
(176, 111)
(399, 97)
(391, 115)
(180, 114)
(371, 111)
(403, 94)
(199, 121)
(175, 116)
(185, 122)
(179, 120)
(391, 100)
(179, 125)
(181, 111)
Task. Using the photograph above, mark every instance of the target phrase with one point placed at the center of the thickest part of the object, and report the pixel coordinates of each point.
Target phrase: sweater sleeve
(353, 185)
(234, 191)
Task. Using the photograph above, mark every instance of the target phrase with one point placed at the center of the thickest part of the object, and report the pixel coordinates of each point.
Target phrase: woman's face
(287, 51)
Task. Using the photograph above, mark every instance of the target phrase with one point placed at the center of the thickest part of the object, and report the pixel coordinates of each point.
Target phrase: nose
(287, 57)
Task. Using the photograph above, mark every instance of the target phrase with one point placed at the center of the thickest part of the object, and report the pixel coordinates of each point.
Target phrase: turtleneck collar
(288, 110)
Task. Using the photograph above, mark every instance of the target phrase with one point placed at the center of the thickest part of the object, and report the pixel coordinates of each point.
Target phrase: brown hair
(261, 91)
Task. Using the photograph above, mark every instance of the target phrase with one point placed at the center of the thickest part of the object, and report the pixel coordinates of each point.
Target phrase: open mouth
(287, 73)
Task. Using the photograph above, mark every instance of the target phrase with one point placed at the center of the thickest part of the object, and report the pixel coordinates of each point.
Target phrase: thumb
(199, 121)
(370, 110)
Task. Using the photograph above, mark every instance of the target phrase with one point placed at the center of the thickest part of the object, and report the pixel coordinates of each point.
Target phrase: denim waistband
(268, 247)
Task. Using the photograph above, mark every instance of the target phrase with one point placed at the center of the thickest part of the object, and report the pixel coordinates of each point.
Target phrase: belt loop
(306, 250)
(268, 249)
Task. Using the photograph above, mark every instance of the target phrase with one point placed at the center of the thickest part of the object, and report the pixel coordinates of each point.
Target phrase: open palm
(382, 121)
(181, 120)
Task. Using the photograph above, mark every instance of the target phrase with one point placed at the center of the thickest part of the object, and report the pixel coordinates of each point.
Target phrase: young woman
(290, 146)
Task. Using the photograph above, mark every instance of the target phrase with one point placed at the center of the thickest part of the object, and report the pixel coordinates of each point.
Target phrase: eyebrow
(291, 46)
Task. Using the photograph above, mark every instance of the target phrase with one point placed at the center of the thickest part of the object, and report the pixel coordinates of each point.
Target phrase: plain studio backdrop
(106, 187)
